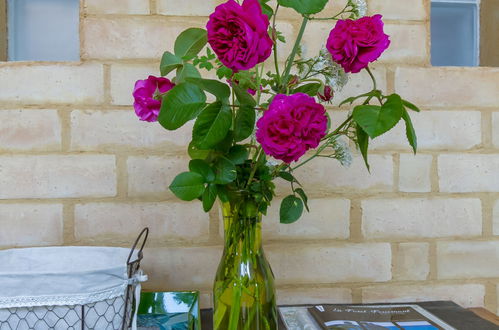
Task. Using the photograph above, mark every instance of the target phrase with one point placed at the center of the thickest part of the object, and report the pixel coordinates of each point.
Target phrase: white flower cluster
(342, 151)
(359, 7)
(333, 73)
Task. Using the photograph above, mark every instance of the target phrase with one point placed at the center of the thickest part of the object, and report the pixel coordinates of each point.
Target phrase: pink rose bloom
(238, 34)
(147, 96)
(354, 44)
(292, 125)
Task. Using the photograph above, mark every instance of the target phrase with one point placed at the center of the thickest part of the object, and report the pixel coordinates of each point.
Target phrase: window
(464, 32)
(42, 30)
(454, 33)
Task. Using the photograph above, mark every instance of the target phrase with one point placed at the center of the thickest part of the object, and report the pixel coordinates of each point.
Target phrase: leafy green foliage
(350, 100)
(186, 71)
(203, 168)
(303, 197)
(376, 120)
(169, 62)
(187, 186)
(212, 125)
(409, 131)
(266, 9)
(238, 154)
(244, 123)
(218, 89)
(209, 196)
(291, 209)
(411, 106)
(196, 153)
(205, 61)
(190, 42)
(310, 89)
(363, 143)
(304, 7)
(181, 104)
(243, 96)
(225, 171)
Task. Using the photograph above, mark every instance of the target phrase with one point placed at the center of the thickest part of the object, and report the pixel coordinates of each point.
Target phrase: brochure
(354, 317)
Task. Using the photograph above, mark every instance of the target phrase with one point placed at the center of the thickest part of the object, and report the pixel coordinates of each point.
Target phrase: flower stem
(292, 56)
(274, 38)
(372, 78)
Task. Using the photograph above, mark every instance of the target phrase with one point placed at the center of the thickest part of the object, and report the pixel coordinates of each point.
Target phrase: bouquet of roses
(264, 124)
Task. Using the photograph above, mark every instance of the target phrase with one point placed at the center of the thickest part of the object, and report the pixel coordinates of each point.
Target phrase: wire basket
(76, 288)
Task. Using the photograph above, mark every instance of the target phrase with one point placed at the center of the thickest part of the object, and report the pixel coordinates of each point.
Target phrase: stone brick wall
(77, 167)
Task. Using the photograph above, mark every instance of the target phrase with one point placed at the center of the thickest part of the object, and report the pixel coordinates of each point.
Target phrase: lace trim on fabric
(64, 300)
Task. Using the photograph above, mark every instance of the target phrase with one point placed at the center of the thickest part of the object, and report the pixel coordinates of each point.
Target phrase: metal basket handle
(145, 233)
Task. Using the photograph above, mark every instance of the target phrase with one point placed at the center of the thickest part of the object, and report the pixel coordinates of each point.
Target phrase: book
(443, 315)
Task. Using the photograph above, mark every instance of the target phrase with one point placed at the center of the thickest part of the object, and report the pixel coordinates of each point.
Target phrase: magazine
(355, 317)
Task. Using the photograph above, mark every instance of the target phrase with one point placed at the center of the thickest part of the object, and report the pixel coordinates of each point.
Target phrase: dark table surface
(447, 311)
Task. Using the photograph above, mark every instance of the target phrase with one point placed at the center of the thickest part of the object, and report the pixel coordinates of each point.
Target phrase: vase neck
(242, 226)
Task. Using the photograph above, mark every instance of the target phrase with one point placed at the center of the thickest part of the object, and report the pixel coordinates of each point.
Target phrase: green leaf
(201, 167)
(187, 186)
(222, 193)
(363, 143)
(209, 197)
(350, 100)
(224, 72)
(411, 106)
(410, 132)
(303, 196)
(190, 42)
(214, 87)
(266, 9)
(376, 120)
(304, 7)
(244, 123)
(169, 62)
(225, 171)
(238, 154)
(286, 176)
(243, 96)
(181, 104)
(212, 125)
(291, 209)
(310, 89)
(196, 153)
(186, 71)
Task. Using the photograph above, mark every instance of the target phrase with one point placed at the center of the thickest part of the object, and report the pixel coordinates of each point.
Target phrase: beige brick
(402, 9)
(294, 264)
(415, 172)
(97, 130)
(117, 6)
(50, 83)
(411, 262)
(314, 296)
(408, 44)
(30, 130)
(495, 129)
(325, 175)
(467, 259)
(436, 130)
(181, 268)
(466, 295)
(57, 176)
(421, 217)
(496, 218)
(328, 219)
(187, 8)
(122, 38)
(123, 78)
(30, 224)
(151, 176)
(461, 87)
(123, 221)
(468, 173)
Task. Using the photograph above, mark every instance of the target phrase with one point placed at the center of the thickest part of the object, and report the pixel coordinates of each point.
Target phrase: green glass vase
(243, 293)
